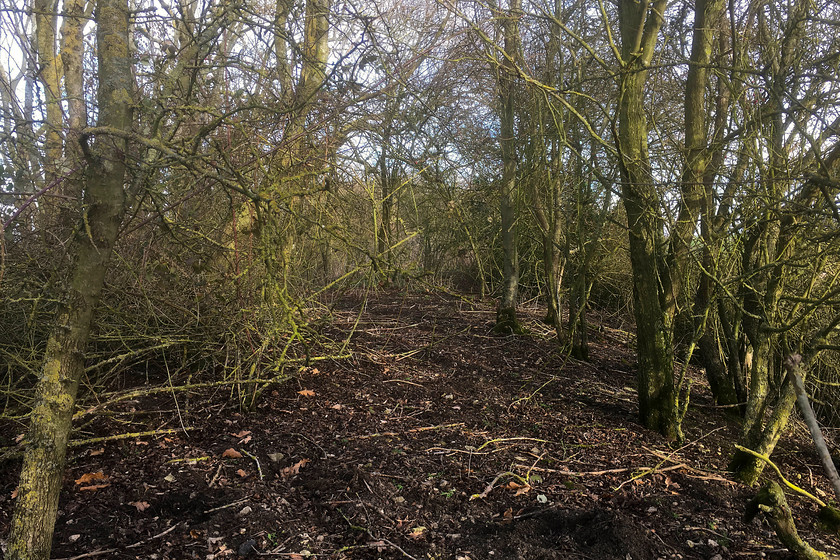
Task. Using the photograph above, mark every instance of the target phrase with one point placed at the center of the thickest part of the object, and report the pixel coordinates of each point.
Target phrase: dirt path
(435, 440)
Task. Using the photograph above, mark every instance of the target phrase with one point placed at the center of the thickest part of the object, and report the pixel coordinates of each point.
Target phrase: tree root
(770, 501)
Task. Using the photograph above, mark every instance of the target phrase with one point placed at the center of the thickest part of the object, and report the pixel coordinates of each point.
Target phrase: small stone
(74, 538)
(399, 499)
(169, 478)
(248, 548)
(276, 457)
(245, 511)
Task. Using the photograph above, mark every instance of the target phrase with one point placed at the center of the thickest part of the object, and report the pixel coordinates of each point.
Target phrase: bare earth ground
(436, 439)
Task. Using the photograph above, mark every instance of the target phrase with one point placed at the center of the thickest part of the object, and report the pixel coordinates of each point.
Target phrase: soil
(434, 439)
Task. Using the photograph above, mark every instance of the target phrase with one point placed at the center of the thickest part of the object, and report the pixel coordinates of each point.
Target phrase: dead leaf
(140, 442)
(15, 493)
(90, 477)
(141, 506)
(242, 473)
(245, 440)
(523, 490)
(96, 452)
(336, 407)
(232, 453)
(417, 533)
(94, 487)
(294, 469)
(19, 438)
(307, 393)
(295, 557)
(520, 488)
(242, 434)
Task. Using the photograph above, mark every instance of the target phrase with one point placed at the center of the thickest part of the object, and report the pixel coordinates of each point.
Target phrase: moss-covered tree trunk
(639, 24)
(771, 501)
(697, 156)
(507, 79)
(773, 235)
(104, 203)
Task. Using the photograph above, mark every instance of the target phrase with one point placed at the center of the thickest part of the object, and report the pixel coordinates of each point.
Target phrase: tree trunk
(506, 321)
(639, 25)
(43, 463)
(692, 189)
(771, 501)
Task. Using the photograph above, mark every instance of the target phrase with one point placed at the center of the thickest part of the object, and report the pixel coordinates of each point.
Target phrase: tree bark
(506, 321)
(771, 501)
(43, 463)
(639, 24)
(692, 189)
(793, 367)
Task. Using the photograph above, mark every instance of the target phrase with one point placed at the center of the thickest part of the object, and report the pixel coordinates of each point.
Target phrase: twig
(596, 473)
(189, 460)
(505, 440)
(489, 487)
(702, 475)
(159, 535)
(168, 389)
(653, 470)
(313, 442)
(384, 540)
(216, 476)
(412, 431)
(257, 461)
(403, 381)
(80, 442)
(14, 452)
(226, 506)
(90, 554)
(464, 451)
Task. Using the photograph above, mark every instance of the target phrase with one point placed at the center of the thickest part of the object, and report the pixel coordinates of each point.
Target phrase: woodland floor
(436, 439)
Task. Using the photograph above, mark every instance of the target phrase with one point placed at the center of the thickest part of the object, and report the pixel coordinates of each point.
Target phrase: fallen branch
(412, 431)
(505, 440)
(702, 475)
(653, 470)
(16, 451)
(596, 473)
(794, 368)
(787, 483)
(148, 391)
